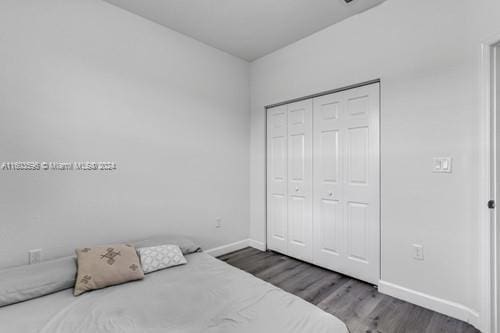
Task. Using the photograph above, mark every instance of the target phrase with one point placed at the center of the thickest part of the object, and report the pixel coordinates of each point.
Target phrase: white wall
(84, 80)
(426, 54)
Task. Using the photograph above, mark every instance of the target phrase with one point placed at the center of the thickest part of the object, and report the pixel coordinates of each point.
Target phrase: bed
(205, 295)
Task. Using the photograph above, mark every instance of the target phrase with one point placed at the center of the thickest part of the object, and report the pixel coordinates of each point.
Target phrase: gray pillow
(25, 282)
(186, 245)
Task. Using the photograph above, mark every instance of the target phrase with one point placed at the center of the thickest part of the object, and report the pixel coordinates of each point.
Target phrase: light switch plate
(441, 164)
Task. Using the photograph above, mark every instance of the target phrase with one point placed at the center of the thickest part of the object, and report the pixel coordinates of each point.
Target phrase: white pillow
(159, 257)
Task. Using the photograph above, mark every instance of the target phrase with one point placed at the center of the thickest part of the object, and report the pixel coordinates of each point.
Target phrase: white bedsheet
(206, 295)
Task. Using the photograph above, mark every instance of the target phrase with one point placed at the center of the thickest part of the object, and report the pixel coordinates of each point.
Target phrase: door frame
(323, 93)
(488, 317)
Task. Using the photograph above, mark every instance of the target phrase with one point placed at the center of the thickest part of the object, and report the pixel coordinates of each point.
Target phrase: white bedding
(205, 295)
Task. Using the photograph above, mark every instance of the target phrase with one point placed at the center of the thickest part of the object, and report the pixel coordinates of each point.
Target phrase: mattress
(205, 295)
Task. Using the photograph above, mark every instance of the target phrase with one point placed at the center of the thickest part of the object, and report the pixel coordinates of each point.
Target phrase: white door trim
(488, 323)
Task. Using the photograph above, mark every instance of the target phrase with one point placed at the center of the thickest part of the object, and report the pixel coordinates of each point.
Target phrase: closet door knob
(296, 189)
(330, 194)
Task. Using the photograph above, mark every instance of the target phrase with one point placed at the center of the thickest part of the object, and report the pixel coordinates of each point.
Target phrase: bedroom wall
(427, 55)
(82, 80)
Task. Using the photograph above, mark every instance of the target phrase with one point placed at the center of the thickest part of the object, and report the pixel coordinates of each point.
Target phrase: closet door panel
(278, 214)
(297, 158)
(297, 222)
(357, 155)
(329, 241)
(357, 231)
(300, 179)
(327, 175)
(277, 175)
(346, 189)
(361, 183)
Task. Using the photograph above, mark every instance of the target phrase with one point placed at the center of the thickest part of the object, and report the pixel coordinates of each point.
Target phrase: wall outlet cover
(418, 252)
(35, 256)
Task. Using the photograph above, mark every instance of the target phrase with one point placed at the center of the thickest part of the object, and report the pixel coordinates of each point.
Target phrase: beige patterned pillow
(103, 266)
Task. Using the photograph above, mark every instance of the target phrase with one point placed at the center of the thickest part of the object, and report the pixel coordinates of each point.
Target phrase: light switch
(445, 165)
(437, 165)
(441, 164)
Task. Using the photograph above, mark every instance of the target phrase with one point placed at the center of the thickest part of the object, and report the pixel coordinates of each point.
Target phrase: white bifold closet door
(300, 192)
(323, 181)
(289, 179)
(346, 182)
(277, 179)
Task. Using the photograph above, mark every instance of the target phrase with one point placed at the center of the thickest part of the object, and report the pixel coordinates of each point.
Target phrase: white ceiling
(247, 29)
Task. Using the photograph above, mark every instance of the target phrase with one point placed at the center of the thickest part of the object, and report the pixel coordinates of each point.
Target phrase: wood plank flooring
(356, 303)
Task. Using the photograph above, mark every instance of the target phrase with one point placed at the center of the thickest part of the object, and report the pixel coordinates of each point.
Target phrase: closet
(323, 181)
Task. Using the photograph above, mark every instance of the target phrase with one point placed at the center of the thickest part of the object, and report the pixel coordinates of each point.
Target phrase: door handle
(330, 194)
(491, 204)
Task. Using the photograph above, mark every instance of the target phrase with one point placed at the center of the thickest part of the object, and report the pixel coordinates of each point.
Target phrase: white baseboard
(221, 250)
(228, 248)
(440, 305)
(257, 244)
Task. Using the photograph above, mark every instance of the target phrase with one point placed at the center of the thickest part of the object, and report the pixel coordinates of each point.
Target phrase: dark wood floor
(356, 303)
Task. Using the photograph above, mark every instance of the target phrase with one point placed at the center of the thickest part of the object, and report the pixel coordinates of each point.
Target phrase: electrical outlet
(218, 222)
(35, 256)
(418, 252)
